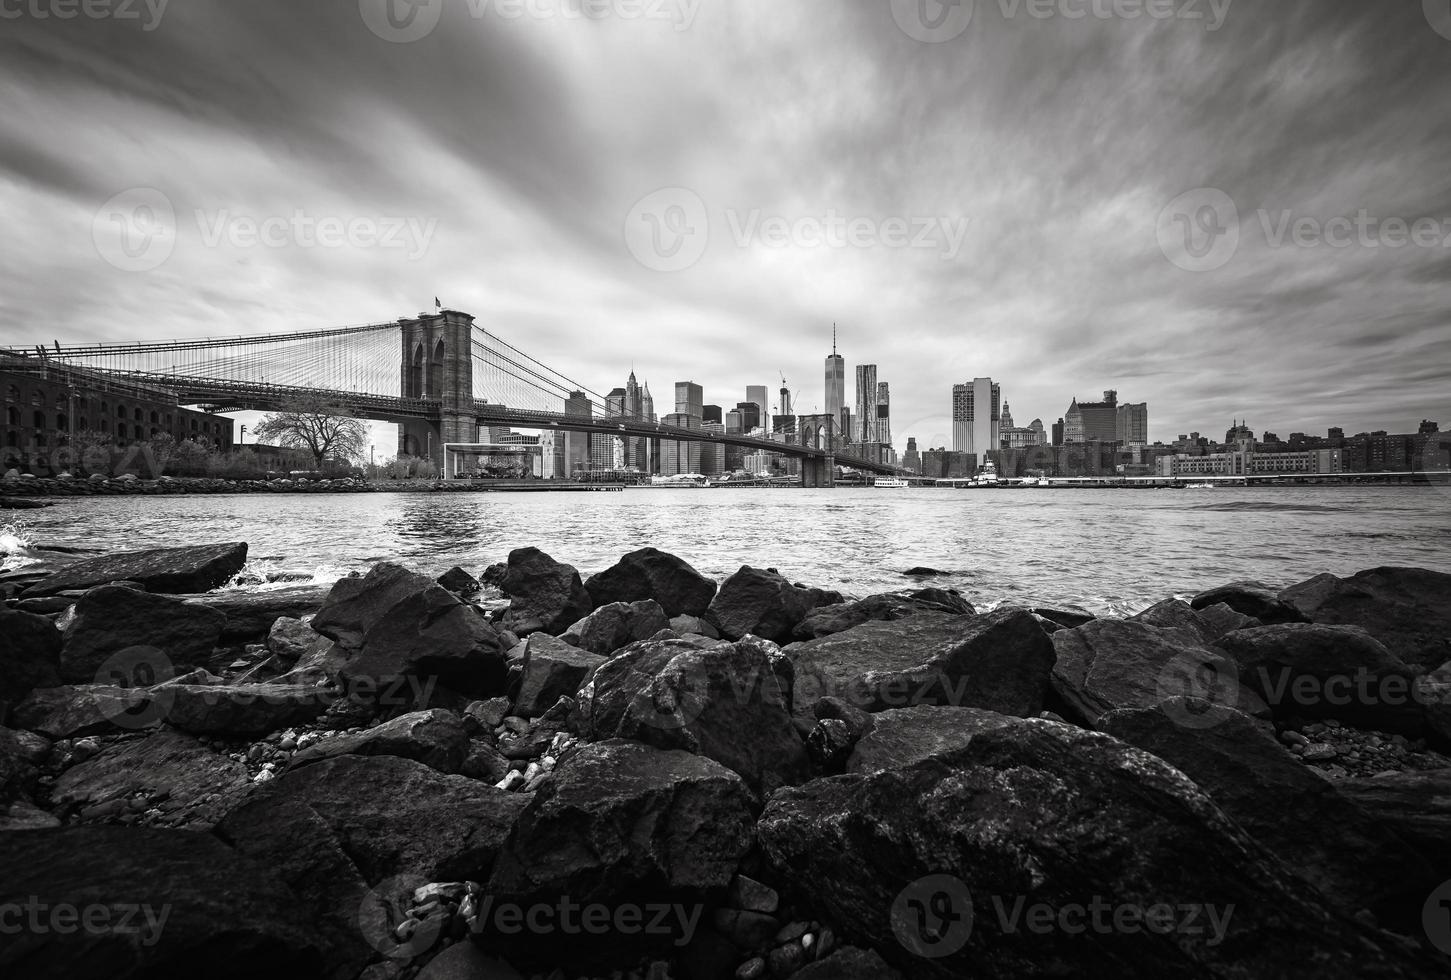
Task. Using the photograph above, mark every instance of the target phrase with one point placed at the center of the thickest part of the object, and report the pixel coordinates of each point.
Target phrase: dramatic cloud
(699, 188)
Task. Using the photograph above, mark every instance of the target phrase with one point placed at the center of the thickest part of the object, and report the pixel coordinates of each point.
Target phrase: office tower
(1092, 421)
(911, 459)
(865, 416)
(712, 454)
(884, 414)
(1058, 432)
(784, 405)
(976, 416)
(689, 399)
(835, 380)
(751, 417)
(711, 413)
(845, 428)
(576, 444)
(1133, 424)
(647, 405)
(757, 395)
(677, 456)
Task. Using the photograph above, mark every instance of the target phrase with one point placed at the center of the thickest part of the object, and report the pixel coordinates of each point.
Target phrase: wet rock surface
(190, 569)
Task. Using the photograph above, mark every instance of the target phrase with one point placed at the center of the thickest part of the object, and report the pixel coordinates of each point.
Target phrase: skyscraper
(835, 381)
(976, 416)
(757, 395)
(576, 444)
(1132, 424)
(884, 414)
(865, 416)
(1092, 421)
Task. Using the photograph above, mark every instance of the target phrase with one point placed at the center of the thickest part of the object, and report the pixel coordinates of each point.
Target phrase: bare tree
(321, 429)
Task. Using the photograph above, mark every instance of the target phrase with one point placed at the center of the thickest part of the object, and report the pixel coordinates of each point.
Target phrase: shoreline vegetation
(645, 773)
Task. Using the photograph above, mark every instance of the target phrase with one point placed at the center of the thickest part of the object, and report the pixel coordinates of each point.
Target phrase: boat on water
(889, 483)
(1199, 486)
(988, 477)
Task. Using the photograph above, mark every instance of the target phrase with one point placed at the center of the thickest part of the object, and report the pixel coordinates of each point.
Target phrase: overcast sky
(700, 188)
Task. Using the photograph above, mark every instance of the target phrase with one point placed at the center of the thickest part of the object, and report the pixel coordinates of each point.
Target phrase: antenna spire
(833, 338)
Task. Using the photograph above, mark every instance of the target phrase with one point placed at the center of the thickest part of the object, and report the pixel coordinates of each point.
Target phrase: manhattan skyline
(1042, 190)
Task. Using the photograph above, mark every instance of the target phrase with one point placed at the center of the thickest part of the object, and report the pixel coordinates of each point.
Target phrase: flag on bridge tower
(436, 304)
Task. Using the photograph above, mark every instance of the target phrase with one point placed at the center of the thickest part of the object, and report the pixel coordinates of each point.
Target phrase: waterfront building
(835, 380)
(1058, 432)
(911, 459)
(577, 444)
(1244, 460)
(1018, 437)
(865, 415)
(1092, 421)
(976, 416)
(1132, 424)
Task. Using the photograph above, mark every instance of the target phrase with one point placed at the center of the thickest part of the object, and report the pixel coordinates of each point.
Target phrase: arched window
(12, 415)
(62, 422)
(39, 420)
(138, 415)
(435, 371)
(105, 406)
(36, 398)
(121, 430)
(415, 374)
(12, 393)
(120, 411)
(155, 417)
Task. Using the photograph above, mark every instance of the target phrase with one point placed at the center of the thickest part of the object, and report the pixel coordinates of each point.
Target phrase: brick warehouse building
(46, 407)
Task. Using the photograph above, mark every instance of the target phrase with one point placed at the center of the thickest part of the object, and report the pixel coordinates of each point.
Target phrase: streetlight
(244, 436)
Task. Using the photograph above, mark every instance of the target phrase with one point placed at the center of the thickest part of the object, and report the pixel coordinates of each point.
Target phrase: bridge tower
(818, 432)
(438, 365)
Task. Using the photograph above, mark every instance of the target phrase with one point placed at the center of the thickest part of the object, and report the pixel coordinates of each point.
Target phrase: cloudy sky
(1237, 209)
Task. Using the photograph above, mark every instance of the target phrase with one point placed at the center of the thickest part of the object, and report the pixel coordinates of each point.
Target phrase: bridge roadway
(228, 395)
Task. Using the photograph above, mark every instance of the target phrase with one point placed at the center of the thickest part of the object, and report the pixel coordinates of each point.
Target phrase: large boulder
(724, 701)
(199, 568)
(549, 670)
(1209, 623)
(435, 737)
(188, 782)
(1109, 664)
(759, 602)
(156, 903)
(1406, 609)
(616, 625)
(355, 603)
(1354, 859)
(903, 737)
(544, 594)
(619, 824)
(29, 656)
(1315, 671)
(351, 835)
(75, 711)
(1414, 805)
(427, 636)
(250, 614)
(653, 574)
(238, 709)
(1000, 661)
(1253, 599)
(835, 618)
(1040, 849)
(113, 619)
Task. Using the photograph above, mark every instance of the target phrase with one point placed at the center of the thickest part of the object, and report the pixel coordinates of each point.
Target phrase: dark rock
(921, 571)
(355, 603)
(621, 822)
(174, 770)
(429, 635)
(753, 896)
(250, 615)
(723, 701)
(829, 745)
(849, 963)
(91, 709)
(1067, 618)
(1172, 614)
(29, 656)
(1414, 805)
(1043, 814)
(494, 575)
(653, 574)
(459, 582)
(237, 709)
(191, 569)
(827, 620)
(1251, 599)
(1352, 858)
(46, 605)
(616, 625)
(289, 640)
(551, 669)
(352, 835)
(1406, 609)
(762, 603)
(111, 619)
(1000, 661)
(1219, 619)
(465, 961)
(683, 625)
(197, 908)
(1314, 671)
(543, 594)
(904, 737)
(1109, 664)
(435, 738)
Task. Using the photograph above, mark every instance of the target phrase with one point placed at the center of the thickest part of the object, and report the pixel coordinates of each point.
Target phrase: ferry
(1199, 486)
(890, 483)
(988, 477)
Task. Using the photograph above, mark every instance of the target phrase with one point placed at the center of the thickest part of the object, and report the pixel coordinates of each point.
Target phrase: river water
(1108, 551)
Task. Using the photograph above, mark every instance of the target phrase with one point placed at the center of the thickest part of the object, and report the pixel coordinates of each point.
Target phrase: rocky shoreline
(645, 773)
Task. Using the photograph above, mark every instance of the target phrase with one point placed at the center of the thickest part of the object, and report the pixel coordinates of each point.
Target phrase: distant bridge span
(453, 376)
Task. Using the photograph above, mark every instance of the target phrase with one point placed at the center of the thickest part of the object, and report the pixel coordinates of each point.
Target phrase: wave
(17, 548)
(1238, 506)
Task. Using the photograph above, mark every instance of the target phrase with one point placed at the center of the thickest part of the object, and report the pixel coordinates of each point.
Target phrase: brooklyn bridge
(439, 377)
